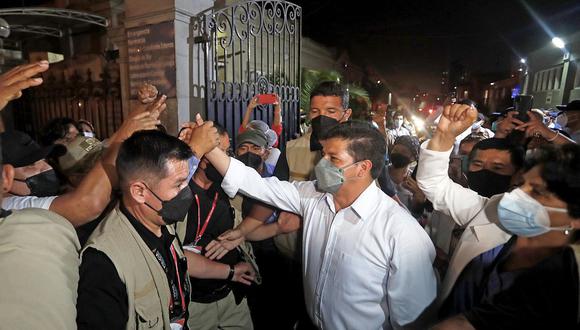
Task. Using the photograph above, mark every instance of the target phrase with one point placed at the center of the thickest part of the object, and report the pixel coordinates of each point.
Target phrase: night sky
(411, 42)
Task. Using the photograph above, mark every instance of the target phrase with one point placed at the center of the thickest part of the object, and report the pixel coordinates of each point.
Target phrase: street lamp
(558, 42)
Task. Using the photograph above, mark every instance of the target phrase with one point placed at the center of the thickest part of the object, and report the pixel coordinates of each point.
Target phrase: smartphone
(523, 104)
(266, 98)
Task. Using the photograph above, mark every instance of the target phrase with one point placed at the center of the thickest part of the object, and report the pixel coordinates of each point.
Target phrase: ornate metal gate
(249, 48)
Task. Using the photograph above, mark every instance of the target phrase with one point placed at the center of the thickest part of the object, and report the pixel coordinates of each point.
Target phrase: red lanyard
(199, 231)
(178, 280)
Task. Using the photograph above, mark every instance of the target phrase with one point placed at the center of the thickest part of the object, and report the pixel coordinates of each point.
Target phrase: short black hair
(55, 129)
(560, 169)
(517, 152)
(331, 88)
(146, 153)
(364, 142)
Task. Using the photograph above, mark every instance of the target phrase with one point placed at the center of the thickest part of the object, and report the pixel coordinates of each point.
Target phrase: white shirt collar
(364, 205)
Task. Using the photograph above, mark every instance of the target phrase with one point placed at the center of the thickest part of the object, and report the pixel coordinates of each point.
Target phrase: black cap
(572, 106)
(18, 149)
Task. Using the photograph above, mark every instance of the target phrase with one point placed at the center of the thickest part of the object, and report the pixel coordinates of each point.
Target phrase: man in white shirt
(367, 264)
(397, 130)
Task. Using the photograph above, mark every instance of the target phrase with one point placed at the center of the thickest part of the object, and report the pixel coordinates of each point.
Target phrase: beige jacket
(39, 271)
(146, 283)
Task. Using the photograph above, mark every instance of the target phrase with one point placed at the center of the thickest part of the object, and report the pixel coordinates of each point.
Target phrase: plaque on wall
(152, 57)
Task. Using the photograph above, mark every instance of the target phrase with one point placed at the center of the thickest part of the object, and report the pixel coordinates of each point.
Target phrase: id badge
(193, 248)
(177, 324)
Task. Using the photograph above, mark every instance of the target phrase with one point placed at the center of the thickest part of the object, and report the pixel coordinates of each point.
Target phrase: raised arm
(248, 114)
(19, 78)
(90, 198)
(460, 203)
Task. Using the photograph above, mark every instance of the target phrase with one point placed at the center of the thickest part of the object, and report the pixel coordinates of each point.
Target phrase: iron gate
(249, 48)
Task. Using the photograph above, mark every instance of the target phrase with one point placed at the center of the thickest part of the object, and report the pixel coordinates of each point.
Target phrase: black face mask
(212, 174)
(43, 184)
(399, 160)
(252, 160)
(175, 209)
(320, 125)
(487, 183)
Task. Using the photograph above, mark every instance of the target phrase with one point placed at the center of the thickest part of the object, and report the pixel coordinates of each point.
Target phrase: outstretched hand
(226, 242)
(19, 78)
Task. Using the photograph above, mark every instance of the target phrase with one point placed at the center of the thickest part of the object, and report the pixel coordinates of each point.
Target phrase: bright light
(491, 84)
(430, 111)
(418, 122)
(558, 42)
(378, 81)
(523, 60)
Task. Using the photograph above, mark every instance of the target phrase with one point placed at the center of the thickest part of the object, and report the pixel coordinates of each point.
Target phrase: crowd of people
(353, 225)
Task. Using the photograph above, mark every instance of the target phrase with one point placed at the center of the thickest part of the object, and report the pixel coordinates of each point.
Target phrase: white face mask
(89, 134)
(522, 215)
(398, 123)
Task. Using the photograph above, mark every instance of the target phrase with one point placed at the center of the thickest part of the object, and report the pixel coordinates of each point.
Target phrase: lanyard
(199, 231)
(173, 293)
(174, 255)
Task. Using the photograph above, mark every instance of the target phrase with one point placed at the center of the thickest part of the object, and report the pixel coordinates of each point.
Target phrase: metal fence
(76, 97)
(249, 48)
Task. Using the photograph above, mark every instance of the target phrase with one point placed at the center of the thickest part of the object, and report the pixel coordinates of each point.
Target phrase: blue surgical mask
(329, 178)
(494, 126)
(524, 216)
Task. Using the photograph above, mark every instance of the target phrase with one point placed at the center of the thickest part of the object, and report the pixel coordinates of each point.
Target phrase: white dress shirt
(475, 213)
(368, 266)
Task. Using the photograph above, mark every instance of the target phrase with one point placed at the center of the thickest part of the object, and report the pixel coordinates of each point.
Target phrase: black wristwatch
(231, 274)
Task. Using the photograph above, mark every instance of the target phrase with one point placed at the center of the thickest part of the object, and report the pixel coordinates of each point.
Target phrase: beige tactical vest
(301, 163)
(301, 160)
(39, 271)
(147, 288)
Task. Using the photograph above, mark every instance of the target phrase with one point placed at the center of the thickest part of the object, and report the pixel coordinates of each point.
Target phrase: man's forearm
(219, 160)
(441, 142)
(199, 266)
(277, 116)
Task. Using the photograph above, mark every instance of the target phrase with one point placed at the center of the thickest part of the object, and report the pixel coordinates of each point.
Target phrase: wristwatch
(231, 274)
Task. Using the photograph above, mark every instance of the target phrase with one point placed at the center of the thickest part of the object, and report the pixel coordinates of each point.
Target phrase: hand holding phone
(523, 104)
(267, 98)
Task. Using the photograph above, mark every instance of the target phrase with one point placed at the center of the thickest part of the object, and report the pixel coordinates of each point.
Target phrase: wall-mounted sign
(152, 57)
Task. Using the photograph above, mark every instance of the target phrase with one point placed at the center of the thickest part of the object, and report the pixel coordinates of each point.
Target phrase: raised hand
(535, 128)
(226, 242)
(147, 93)
(456, 118)
(156, 108)
(137, 122)
(253, 103)
(244, 273)
(204, 137)
(507, 124)
(19, 78)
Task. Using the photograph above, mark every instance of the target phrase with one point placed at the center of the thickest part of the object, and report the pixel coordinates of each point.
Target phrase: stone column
(168, 25)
